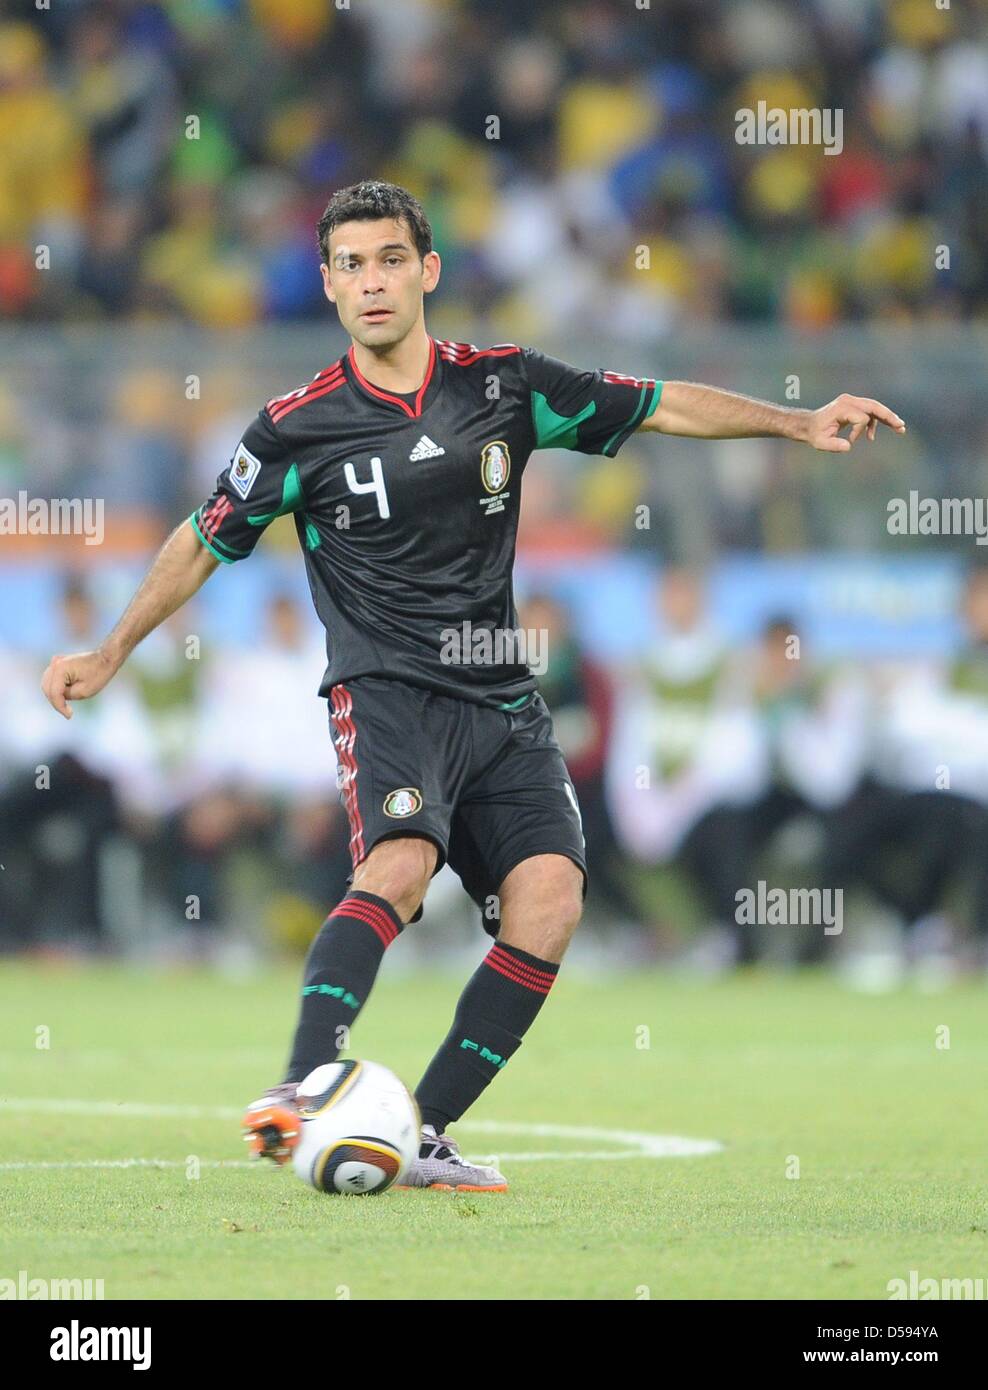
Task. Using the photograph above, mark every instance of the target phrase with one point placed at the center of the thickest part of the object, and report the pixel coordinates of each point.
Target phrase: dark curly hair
(370, 200)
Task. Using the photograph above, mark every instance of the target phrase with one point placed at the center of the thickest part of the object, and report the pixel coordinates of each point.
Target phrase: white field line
(635, 1144)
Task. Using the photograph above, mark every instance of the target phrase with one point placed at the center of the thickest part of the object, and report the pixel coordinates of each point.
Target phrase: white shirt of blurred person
(680, 747)
(265, 730)
(933, 715)
(111, 739)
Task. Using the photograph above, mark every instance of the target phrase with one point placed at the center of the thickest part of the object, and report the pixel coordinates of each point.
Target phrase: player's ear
(327, 286)
(431, 266)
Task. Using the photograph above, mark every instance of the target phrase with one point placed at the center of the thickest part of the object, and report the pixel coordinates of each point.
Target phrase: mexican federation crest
(495, 469)
(403, 802)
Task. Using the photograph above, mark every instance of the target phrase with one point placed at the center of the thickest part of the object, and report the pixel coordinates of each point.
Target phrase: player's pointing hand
(860, 412)
(75, 677)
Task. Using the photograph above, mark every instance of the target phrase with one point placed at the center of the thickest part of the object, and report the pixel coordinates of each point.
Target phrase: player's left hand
(860, 412)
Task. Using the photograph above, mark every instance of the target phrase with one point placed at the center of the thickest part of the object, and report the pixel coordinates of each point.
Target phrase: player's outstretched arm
(181, 567)
(705, 412)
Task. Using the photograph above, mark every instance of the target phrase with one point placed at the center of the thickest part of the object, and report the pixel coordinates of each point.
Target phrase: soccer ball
(360, 1128)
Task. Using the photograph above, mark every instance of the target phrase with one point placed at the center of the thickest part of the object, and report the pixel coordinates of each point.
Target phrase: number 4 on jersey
(376, 485)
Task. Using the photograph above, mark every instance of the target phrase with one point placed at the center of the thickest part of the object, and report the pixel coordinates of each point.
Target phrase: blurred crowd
(162, 169)
(196, 795)
(704, 769)
(766, 764)
(195, 800)
(173, 158)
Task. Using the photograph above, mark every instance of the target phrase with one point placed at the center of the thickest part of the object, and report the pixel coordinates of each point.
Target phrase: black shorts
(488, 787)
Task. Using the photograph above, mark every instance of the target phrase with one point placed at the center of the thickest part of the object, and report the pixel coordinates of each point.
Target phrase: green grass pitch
(885, 1125)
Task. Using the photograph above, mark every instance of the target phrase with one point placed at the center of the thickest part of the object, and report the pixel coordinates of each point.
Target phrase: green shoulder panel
(291, 499)
(555, 431)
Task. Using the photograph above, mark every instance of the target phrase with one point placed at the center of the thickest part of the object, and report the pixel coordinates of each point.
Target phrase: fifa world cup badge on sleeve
(243, 470)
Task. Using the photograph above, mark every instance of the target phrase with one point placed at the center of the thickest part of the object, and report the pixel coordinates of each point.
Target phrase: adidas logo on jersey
(426, 448)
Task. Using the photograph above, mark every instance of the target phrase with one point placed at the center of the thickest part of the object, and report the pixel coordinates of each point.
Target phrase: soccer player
(401, 463)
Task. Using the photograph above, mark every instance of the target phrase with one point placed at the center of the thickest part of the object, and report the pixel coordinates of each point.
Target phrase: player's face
(376, 279)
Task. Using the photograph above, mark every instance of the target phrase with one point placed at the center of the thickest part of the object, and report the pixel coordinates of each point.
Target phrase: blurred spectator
(683, 758)
(672, 731)
(57, 816)
(123, 99)
(278, 740)
(270, 767)
(918, 823)
(578, 694)
(812, 733)
(43, 170)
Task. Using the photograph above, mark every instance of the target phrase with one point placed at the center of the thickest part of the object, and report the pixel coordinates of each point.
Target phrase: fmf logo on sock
(488, 1056)
(336, 992)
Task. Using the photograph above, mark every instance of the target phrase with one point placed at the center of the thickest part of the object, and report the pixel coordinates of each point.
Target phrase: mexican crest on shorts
(403, 802)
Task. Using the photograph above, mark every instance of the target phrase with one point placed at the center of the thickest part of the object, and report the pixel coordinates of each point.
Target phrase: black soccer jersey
(406, 507)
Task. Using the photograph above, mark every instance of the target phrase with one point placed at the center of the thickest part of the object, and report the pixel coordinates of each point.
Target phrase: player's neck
(401, 368)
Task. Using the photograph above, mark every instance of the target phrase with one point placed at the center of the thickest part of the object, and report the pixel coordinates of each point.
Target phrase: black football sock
(495, 1011)
(340, 970)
